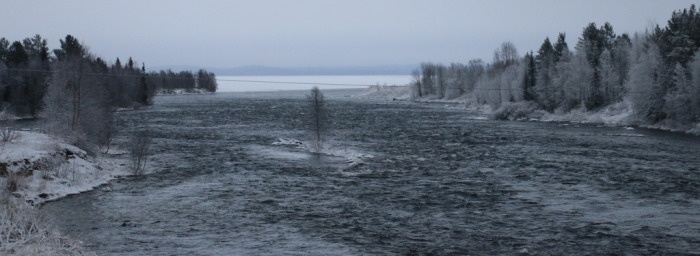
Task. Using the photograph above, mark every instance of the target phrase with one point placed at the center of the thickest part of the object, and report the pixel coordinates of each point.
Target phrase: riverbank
(171, 92)
(619, 114)
(36, 168)
(39, 168)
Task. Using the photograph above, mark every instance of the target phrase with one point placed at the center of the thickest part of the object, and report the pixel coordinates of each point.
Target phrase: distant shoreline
(388, 70)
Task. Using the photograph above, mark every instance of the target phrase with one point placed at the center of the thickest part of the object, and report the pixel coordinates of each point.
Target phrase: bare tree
(140, 150)
(505, 56)
(318, 118)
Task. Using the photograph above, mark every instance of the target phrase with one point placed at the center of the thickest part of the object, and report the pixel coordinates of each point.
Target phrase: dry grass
(23, 231)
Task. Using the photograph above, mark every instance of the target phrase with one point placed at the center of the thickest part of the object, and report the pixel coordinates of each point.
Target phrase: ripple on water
(424, 182)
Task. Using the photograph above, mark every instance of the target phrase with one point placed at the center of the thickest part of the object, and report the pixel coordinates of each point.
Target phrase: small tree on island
(318, 118)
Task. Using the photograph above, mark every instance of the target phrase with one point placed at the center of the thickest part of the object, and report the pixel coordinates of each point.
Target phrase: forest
(75, 91)
(655, 73)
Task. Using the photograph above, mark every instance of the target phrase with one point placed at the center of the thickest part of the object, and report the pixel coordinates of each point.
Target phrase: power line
(304, 83)
(291, 82)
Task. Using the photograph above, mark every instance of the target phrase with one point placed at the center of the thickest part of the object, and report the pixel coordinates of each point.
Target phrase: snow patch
(48, 168)
(165, 92)
(353, 157)
(288, 142)
(386, 92)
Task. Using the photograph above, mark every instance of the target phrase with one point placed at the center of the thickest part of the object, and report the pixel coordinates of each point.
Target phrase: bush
(516, 111)
(140, 149)
(12, 182)
(9, 131)
(24, 232)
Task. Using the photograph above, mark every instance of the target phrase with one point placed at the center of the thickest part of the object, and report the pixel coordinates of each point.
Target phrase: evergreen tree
(594, 41)
(560, 46)
(17, 57)
(530, 78)
(4, 48)
(70, 49)
(680, 39)
(545, 70)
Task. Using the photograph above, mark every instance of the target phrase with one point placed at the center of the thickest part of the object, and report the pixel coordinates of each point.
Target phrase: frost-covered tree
(678, 102)
(76, 105)
(501, 81)
(609, 87)
(646, 93)
(573, 79)
(593, 42)
(499, 85)
(454, 81)
(475, 69)
(545, 65)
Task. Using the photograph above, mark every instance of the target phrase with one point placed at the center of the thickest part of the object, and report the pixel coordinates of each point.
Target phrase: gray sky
(309, 33)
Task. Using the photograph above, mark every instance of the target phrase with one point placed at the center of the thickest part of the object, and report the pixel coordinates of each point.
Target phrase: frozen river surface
(425, 180)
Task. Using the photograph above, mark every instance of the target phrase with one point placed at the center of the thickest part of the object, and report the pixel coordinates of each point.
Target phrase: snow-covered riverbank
(44, 168)
(619, 114)
(36, 168)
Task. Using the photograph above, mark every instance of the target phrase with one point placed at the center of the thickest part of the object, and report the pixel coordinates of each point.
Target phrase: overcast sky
(312, 33)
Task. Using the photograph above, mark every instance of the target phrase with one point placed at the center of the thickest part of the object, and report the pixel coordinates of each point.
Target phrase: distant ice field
(286, 83)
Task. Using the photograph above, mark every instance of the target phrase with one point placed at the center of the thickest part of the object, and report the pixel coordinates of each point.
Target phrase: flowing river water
(401, 179)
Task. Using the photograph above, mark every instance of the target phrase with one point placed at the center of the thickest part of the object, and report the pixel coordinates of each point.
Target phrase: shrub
(516, 111)
(9, 131)
(23, 231)
(140, 149)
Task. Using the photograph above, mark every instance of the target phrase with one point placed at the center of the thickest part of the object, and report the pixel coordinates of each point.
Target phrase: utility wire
(295, 82)
(290, 82)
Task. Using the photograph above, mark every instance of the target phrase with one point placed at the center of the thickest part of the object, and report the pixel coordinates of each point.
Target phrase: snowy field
(231, 175)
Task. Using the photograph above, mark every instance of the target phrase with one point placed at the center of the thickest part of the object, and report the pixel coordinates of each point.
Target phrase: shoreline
(36, 169)
(617, 115)
(43, 168)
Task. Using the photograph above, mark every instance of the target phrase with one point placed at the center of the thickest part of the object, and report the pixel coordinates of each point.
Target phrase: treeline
(28, 68)
(656, 72)
(168, 81)
(75, 91)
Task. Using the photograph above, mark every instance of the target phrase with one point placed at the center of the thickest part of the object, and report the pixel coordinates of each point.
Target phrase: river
(403, 179)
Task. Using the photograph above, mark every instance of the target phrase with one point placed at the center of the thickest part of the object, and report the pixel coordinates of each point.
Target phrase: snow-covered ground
(164, 92)
(46, 168)
(36, 168)
(379, 92)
